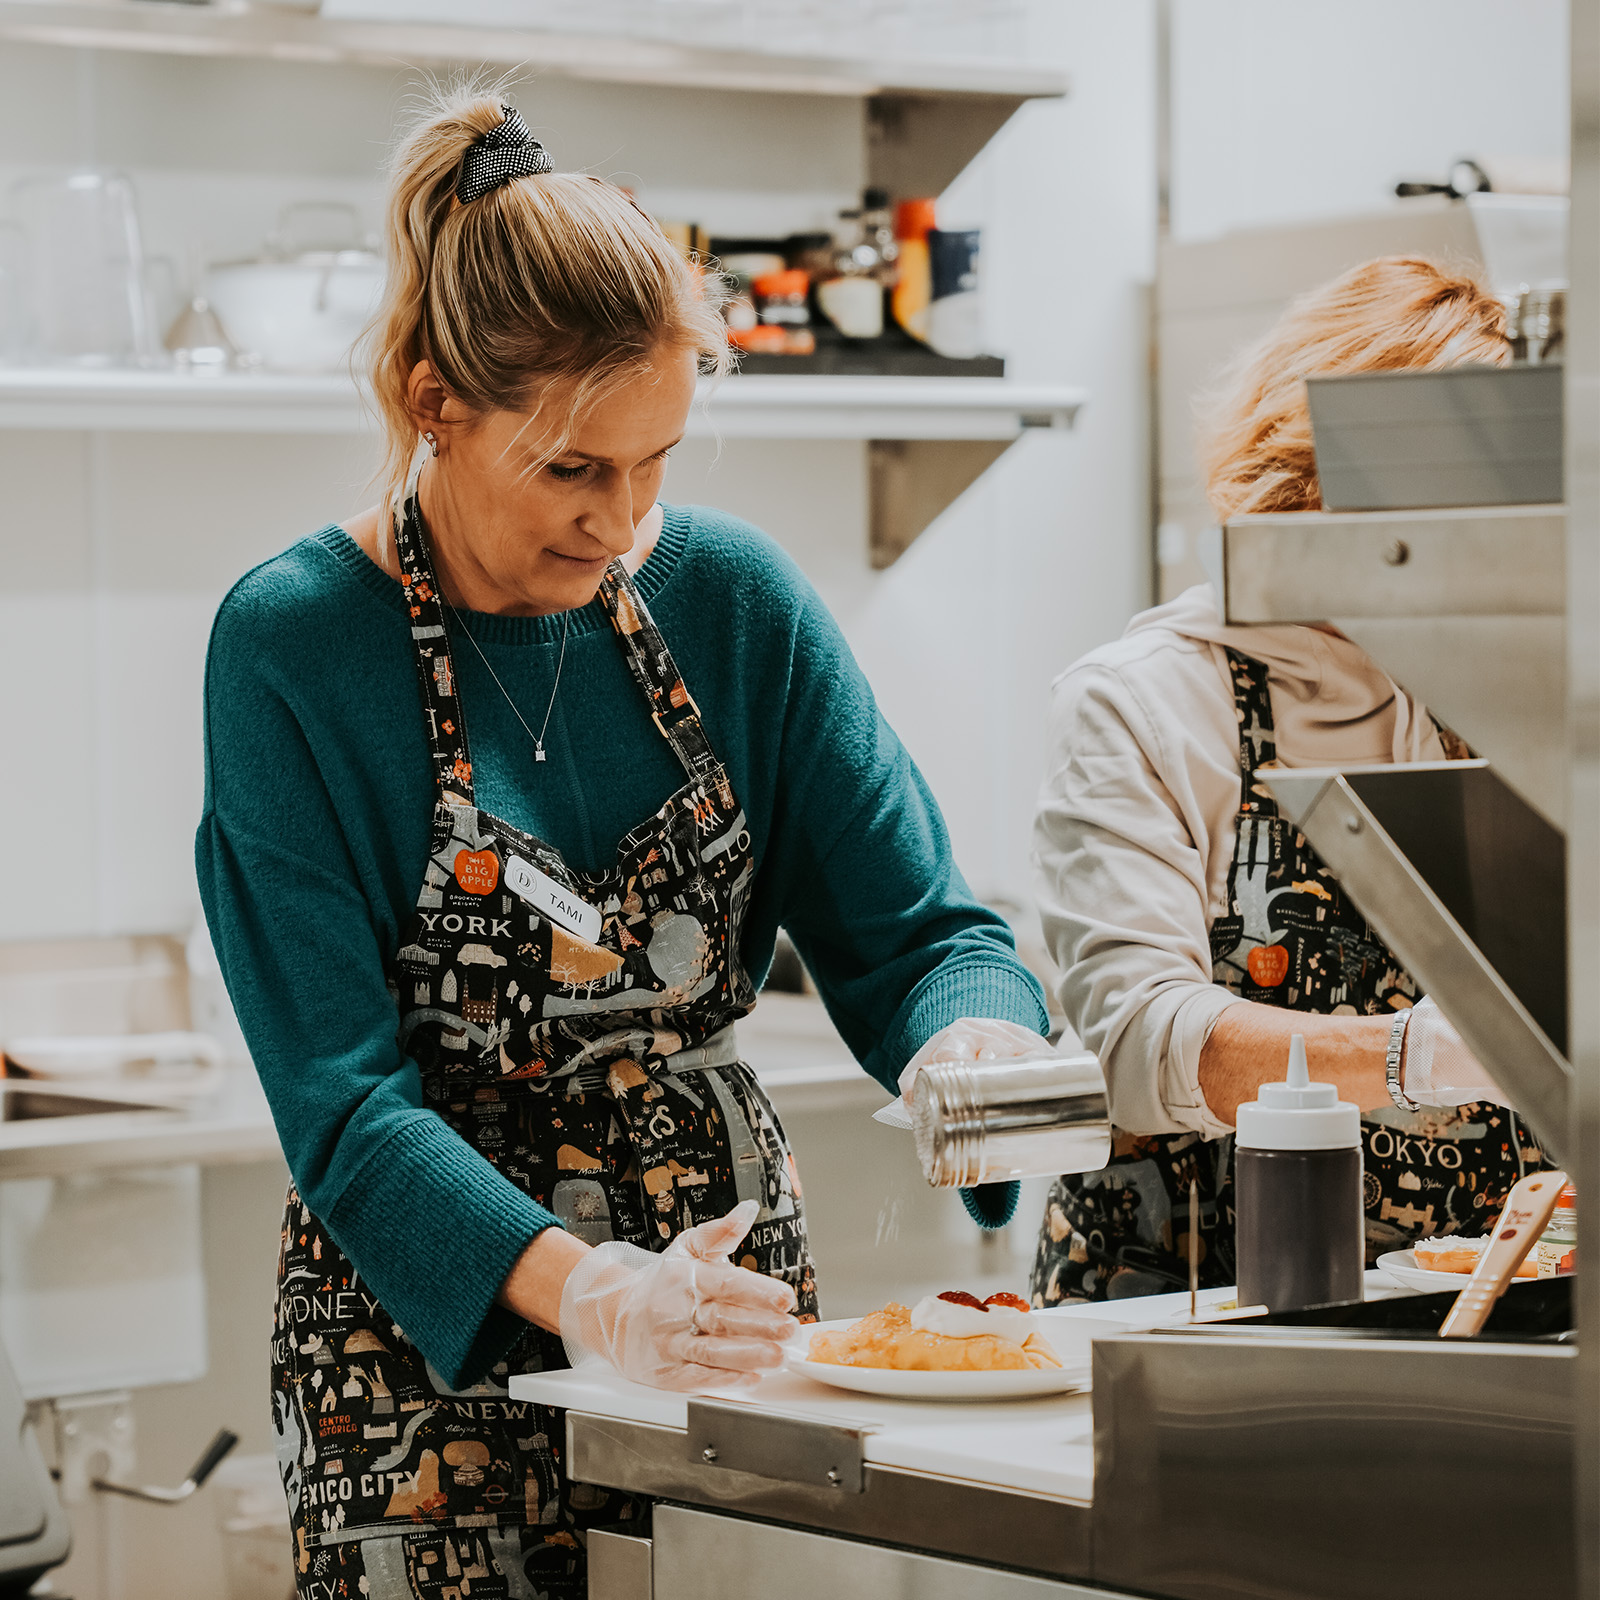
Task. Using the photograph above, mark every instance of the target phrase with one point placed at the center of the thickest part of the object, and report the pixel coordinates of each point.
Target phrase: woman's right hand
(976, 1039)
(1437, 1068)
(685, 1319)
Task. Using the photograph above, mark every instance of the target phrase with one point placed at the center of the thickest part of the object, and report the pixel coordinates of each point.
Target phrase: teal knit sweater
(315, 831)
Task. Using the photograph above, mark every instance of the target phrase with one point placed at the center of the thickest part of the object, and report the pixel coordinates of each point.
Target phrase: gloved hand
(685, 1319)
(1437, 1069)
(976, 1039)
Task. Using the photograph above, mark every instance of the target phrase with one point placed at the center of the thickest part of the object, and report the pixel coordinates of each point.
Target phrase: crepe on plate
(944, 1333)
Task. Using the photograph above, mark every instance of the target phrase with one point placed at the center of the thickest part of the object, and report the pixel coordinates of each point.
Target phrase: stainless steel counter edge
(916, 1511)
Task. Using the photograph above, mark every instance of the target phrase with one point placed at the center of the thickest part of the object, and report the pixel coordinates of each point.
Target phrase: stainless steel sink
(34, 1102)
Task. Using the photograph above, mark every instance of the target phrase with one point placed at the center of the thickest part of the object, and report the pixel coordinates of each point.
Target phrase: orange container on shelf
(769, 339)
(913, 291)
(781, 297)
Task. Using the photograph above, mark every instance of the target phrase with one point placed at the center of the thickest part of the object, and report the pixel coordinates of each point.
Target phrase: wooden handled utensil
(1527, 1211)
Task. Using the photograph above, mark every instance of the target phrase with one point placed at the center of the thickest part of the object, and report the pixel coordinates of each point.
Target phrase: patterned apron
(601, 1076)
(1289, 938)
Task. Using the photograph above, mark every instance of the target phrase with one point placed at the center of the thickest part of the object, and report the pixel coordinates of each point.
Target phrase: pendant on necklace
(538, 752)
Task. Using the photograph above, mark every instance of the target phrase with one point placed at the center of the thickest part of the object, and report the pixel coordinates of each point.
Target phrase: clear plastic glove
(1437, 1069)
(685, 1319)
(976, 1039)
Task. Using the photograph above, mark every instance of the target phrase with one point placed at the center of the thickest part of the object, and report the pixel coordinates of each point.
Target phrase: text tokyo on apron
(1289, 938)
(600, 1076)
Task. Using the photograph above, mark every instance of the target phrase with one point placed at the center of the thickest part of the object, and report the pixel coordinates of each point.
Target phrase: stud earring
(433, 441)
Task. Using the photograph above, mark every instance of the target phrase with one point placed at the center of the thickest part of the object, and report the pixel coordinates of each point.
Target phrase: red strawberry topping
(960, 1297)
(1013, 1302)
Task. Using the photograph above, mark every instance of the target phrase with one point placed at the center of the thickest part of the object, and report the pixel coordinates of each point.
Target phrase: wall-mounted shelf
(232, 29)
(801, 407)
(928, 439)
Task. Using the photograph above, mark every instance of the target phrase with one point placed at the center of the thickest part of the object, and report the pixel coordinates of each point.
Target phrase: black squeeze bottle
(1297, 1183)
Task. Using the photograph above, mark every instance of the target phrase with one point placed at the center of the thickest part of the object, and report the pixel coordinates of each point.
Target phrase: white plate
(1401, 1265)
(935, 1385)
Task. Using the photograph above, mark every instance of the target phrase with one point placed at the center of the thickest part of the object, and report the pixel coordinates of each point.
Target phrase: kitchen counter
(797, 1055)
(129, 1126)
(1210, 1462)
(1007, 1482)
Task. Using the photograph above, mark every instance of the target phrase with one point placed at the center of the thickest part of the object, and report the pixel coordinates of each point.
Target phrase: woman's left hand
(686, 1319)
(976, 1039)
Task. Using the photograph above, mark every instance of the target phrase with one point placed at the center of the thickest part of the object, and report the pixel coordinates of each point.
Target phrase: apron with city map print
(576, 1029)
(1290, 938)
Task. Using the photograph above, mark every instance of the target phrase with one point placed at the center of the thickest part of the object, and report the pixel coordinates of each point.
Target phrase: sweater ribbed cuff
(435, 1229)
(1006, 991)
(992, 1205)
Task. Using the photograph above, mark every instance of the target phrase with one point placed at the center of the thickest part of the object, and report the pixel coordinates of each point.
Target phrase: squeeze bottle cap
(1298, 1114)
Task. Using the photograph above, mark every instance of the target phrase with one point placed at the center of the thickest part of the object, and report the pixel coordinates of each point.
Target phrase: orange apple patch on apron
(1268, 964)
(477, 871)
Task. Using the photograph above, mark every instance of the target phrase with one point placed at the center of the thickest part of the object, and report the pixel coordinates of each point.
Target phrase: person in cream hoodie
(1195, 928)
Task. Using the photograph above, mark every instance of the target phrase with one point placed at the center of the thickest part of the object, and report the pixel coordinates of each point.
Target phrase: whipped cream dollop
(955, 1321)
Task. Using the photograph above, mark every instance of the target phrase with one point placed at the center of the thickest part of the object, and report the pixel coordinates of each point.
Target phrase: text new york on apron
(576, 1030)
(1288, 937)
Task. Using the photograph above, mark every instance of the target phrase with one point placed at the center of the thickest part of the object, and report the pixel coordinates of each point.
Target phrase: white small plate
(1401, 1265)
(895, 1385)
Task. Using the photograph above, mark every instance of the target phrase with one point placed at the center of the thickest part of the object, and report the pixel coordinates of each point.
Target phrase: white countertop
(1040, 1446)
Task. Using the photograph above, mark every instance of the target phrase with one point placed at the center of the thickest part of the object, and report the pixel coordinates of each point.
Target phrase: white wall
(1291, 109)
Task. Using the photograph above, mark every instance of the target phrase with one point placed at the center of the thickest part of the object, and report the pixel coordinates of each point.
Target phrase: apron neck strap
(436, 670)
(672, 707)
(1258, 744)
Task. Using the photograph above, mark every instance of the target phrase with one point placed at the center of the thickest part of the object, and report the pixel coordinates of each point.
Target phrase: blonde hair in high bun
(551, 286)
(1394, 312)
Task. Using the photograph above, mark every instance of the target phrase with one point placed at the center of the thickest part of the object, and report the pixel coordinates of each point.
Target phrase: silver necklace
(538, 738)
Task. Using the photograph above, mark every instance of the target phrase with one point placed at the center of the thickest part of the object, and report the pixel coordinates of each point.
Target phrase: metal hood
(1466, 883)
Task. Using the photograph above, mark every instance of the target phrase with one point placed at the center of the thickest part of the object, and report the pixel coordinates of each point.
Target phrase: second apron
(1289, 938)
(583, 1045)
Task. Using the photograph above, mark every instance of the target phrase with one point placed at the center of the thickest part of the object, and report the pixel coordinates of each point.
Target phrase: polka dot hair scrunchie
(507, 152)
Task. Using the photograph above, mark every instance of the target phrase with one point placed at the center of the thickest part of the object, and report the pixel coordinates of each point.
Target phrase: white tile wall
(116, 550)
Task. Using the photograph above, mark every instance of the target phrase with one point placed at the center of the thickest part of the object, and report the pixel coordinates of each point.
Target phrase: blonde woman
(490, 982)
(1195, 928)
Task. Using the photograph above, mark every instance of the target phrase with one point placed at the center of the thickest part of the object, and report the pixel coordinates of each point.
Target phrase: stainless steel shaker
(988, 1121)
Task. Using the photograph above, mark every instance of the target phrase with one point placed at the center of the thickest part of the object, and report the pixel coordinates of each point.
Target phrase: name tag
(543, 893)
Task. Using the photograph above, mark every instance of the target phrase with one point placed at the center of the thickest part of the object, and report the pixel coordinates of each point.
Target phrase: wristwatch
(1391, 1063)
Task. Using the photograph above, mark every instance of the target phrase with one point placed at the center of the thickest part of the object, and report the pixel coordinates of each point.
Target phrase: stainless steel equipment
(1536, 323)
(1462, 436)
(1465, 607)
(708, 1557)
(920, 1513)
(1467, 884)
(1233, 1465)
(989, 1121)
